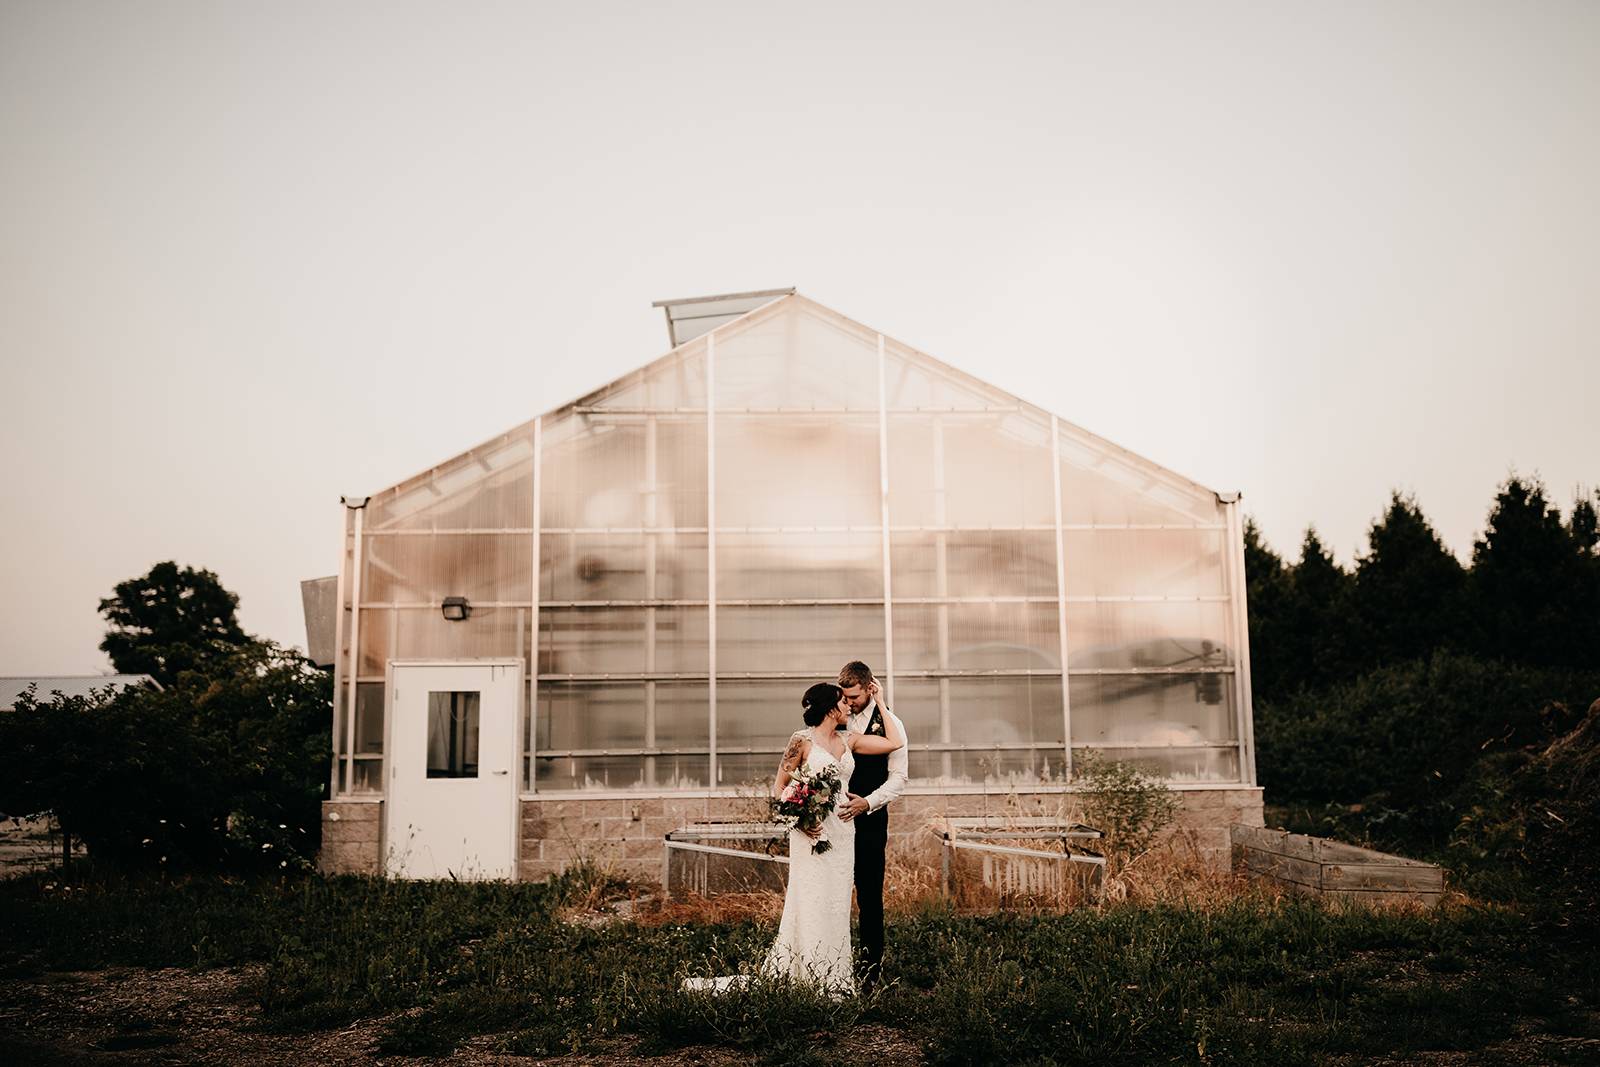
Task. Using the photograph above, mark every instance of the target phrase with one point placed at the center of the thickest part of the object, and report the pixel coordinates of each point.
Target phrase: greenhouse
(597, 625)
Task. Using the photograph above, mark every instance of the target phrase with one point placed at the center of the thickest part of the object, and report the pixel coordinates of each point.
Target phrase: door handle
(502, 772)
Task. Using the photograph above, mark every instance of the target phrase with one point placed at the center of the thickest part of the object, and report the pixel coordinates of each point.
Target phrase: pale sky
(253, 256)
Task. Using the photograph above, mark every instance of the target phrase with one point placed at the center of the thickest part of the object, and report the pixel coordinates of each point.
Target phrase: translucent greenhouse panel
(812, 566)
(1006, 710)
(623, 640)
(665, 565)
(664, 772)
(797, 355)
(377, 642)
(973, 563)
(797, 471)
(978, 712)
(995, 636)
(1172, 563)
(424, 568)
(603, 472)
(368, 776)
(750, 773)
(622, 715)
(1001, 768)
(913, 381)
(1123, 634)
(1152, 709)
(1103, 485)
(369, 717)
(962, 470)
(1175, 765)
(427, 634)
(759, 715)
(487, 488)
(810, 639)
(675, 381)
(590, 716)
(917, 703)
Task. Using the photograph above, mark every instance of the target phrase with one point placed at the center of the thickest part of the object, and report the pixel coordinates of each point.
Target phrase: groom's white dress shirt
(899, 759)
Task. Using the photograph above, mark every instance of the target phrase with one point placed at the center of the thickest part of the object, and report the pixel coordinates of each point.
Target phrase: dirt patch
(173, 1016)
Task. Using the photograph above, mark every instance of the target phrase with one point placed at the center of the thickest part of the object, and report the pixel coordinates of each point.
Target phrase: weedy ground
(1186, 968)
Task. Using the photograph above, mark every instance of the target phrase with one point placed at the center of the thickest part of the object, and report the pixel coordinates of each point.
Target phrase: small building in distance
(596, 626)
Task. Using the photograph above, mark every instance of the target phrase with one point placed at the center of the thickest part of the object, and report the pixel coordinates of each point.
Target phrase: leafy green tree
(227, 764)
(113, 777)
(1535, 591)
(258, 720)
(226, 767)
(170, 620)
(1410, 592)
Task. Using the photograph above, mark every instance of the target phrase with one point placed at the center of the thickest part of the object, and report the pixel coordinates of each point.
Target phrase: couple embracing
(848, 729)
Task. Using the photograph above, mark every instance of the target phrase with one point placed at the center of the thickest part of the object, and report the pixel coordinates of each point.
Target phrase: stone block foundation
(352, 837)
(625, 834)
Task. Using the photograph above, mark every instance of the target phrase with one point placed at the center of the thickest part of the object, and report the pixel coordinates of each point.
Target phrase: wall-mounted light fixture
(456, 608)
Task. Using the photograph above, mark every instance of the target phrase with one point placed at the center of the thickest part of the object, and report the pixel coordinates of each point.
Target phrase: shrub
(223, 767)
(1403, 741)
(1130, 806)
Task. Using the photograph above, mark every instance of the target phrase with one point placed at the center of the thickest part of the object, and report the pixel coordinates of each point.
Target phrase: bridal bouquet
(806, 801)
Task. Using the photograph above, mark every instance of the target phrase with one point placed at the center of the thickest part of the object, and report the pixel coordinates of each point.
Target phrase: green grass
(1252, 981)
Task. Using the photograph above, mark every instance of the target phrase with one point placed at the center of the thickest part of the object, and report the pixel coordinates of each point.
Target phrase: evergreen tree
(1267, 601)
(169, 621)
(1584, 525)
(1410, 592)
(1533, 586)
(1318, 622)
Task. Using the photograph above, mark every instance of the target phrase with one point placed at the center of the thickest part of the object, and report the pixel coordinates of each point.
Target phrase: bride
(813, 943)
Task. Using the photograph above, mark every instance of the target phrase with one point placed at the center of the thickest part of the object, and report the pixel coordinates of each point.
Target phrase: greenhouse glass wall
(666, 563)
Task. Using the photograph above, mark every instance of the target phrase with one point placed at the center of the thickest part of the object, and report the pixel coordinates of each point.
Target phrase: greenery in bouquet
(806, 801)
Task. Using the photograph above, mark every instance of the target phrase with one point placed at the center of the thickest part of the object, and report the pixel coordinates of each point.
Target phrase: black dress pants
(872, 838)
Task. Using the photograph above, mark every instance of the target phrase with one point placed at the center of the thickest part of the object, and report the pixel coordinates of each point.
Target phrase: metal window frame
(339, 668)
(1244, 706)
(359, 506)
(1061, 594)
(712, 771)
(883, 520)
(531, 743)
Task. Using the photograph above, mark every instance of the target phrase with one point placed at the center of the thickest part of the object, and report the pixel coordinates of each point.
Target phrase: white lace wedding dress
(813, 943)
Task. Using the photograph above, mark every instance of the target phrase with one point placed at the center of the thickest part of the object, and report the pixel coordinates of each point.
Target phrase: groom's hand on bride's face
(852, 806)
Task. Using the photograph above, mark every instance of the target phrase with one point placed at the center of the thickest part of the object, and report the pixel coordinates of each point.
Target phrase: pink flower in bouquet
(806, 801)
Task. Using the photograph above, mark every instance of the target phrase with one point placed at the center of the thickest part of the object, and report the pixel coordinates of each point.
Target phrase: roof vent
(695, 315)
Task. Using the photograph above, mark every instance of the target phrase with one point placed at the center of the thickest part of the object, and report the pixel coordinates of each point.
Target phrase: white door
(451, 801)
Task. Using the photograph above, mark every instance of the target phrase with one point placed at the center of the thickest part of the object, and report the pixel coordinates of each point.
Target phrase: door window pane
(452, 735)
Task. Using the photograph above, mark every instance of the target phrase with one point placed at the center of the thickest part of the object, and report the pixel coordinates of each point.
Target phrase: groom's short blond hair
(854, 673)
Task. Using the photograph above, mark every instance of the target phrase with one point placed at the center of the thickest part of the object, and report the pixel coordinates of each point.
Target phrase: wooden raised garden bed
(1318, 866)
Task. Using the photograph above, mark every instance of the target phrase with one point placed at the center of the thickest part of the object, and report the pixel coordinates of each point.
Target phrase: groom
(876, 781)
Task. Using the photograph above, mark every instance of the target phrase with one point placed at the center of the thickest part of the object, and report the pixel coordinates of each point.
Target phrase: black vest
(871, 771)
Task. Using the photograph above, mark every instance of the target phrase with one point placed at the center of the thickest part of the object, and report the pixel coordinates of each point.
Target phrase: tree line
(1431, 706)
(1530, 596)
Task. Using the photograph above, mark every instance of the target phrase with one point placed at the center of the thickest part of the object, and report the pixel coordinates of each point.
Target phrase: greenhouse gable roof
(777, 352)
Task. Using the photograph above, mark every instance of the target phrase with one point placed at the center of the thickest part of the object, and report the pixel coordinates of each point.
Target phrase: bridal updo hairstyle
(819, 700)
